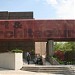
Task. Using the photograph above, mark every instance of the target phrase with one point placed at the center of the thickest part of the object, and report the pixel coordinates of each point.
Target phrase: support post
(50, 49)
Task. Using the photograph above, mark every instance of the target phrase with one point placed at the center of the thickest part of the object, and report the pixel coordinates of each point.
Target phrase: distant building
(16, 15)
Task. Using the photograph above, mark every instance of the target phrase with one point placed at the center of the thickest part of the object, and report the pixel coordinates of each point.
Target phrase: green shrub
(70, 56)
(17, 51)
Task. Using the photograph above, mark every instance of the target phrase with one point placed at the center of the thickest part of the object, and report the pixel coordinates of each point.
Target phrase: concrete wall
(3, 15)
(18, 61)
(40, 48)
(11, 60)
(20, 15)
(15, 15)
(53, 61)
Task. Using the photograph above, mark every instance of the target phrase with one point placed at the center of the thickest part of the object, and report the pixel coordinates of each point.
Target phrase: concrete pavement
(20, 72)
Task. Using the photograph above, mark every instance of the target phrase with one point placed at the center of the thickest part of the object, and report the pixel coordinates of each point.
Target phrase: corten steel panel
(37, 30)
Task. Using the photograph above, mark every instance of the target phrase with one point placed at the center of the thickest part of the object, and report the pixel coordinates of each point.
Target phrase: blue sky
(42, 9)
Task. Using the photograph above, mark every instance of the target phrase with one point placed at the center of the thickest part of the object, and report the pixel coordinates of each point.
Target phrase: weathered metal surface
(37, 30)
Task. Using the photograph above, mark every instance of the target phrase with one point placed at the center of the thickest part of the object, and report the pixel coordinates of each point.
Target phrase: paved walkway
(19, 72)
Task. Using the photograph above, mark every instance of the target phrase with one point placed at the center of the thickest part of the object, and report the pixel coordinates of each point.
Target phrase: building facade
(20, 30)
(26, 45)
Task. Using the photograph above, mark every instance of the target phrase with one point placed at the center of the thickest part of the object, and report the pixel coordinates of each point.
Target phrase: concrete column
(50, 47)
(49, 50)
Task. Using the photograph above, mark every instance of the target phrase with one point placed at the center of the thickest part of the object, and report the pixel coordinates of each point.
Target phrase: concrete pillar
(49, 51)
(50, 47)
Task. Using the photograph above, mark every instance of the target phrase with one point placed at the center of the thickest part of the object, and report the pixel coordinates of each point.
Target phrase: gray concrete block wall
(3, 15)
(15, 15)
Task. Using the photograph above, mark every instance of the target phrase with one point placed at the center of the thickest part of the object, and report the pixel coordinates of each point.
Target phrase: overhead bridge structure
(37, 30)
(35, 36)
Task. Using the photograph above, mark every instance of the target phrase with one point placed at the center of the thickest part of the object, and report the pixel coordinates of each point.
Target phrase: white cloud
(64, 8)
(52, 2)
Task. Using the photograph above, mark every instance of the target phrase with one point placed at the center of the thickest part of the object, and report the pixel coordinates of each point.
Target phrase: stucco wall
(11, 60)
(40, 48)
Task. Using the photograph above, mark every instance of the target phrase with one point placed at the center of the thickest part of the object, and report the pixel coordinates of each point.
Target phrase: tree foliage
(65, 46)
